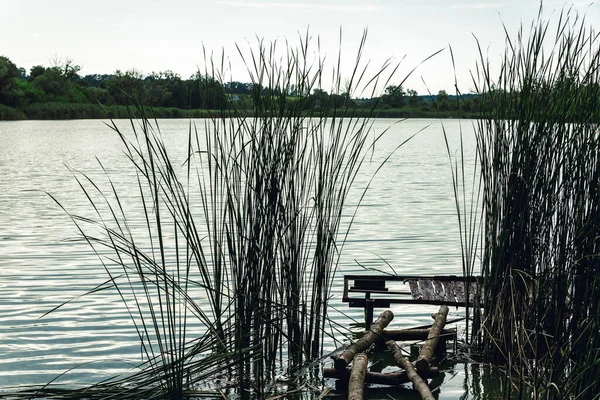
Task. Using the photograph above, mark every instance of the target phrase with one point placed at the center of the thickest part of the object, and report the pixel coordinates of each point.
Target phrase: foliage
(539, 147)
(9, 113)
(35, 71)
(413, 98)
(394, 96)
(442, 96)
(8, 76)
(243, 241)
(61, 83)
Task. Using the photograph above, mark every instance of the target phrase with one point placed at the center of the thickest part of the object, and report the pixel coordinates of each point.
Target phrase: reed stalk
(244, 239)
(539, 149)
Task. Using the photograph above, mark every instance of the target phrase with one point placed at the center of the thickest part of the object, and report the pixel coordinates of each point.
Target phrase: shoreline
(75, 111)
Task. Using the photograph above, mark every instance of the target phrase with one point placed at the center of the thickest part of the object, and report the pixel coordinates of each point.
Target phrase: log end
(340, 363)
(386, 317)
(422, 365)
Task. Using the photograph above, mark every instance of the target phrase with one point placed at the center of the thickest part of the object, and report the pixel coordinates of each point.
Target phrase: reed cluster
(539, 149)
(243, 239)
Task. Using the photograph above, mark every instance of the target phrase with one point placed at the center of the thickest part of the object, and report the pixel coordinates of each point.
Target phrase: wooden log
(415, 334)
(356, 384)
(417, 381)
(371, 336)
(423, 363)
(380, 378)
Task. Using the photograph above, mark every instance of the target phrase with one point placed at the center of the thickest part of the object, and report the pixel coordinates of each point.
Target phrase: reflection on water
(463, 381)
(461, 378)
(406, 223)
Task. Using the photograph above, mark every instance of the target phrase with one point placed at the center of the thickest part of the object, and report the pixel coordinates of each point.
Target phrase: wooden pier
(351, 365)
(381, 291)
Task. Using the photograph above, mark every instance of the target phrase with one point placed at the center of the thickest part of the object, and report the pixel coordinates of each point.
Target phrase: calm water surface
(407, 222)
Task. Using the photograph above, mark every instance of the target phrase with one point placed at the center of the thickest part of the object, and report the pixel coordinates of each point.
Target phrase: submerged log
(415, 334)
(380, 378)
(371, 336)
(356, 384)
(423, 363)
(417, 381)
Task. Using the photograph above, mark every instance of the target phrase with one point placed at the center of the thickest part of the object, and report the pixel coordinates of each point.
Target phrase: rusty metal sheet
(447, 291)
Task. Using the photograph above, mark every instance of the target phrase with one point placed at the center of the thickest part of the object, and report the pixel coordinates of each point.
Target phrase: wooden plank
(381, 303)
(369, 284)
(387, 291)
(407, 277)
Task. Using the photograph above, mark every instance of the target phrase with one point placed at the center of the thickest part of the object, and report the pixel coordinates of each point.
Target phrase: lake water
(407, 221)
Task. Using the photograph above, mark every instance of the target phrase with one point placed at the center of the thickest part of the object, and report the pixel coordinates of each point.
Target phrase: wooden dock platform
(381, 291)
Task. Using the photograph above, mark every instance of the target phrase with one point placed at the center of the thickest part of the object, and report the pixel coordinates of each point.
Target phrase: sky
(151, 35)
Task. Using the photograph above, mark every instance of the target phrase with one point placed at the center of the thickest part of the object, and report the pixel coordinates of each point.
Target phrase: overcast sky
(152, 35)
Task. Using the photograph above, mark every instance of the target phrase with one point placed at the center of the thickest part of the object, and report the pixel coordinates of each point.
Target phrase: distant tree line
(62, 83)
(60, 91)
(49, 92)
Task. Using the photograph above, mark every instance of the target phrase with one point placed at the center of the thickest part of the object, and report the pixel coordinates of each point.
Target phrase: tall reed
(245, 238)
(538, 142)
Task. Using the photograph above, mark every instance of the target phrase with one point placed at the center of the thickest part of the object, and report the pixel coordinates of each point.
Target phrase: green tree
(36, 71)
(393, 96)
(413, 98)
(53, 83)
(67, 67)
(99, 95)
(441, 96)
(179, 91)
(127, 86)
(442, 101)
(341, 101)
(8, 85)
(238, 88)
(96, 80)
(211, 92)
(318, 99)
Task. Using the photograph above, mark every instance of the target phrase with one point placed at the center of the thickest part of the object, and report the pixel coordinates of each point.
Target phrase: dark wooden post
(370, 303)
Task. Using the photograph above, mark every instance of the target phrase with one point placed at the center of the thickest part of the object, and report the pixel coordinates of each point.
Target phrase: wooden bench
(380, 291)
